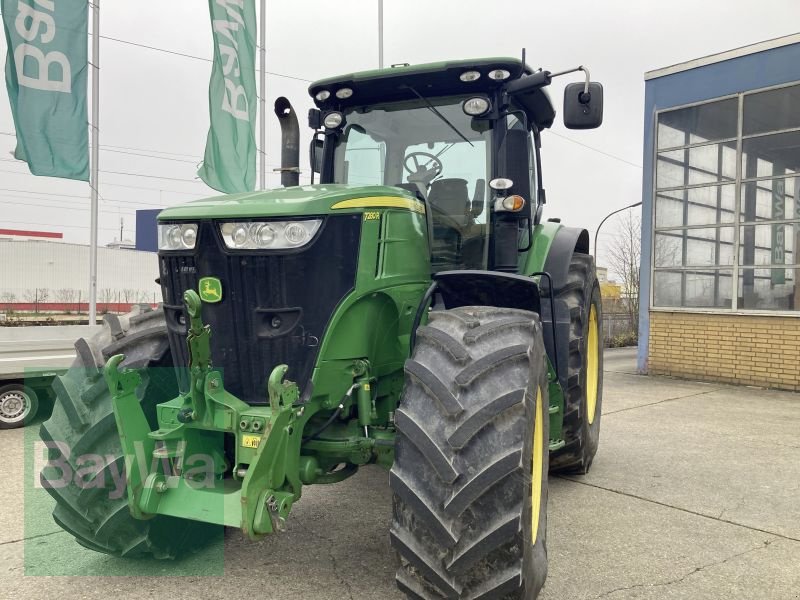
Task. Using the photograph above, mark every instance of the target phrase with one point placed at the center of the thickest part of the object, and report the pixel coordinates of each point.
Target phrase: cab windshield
(406, 144)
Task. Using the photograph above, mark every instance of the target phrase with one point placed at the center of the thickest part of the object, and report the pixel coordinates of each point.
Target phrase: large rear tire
(469, 480)
(86, 472)
(584, 394)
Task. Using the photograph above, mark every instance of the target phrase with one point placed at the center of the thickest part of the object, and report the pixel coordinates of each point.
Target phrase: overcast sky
(154, 106)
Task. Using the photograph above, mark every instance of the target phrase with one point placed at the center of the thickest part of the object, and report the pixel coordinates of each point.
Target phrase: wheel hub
(537, 466)
(13, 406)
(592, 365)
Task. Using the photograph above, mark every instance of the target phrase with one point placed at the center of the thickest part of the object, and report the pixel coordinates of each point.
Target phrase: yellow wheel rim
(592, 365)
(536, 466)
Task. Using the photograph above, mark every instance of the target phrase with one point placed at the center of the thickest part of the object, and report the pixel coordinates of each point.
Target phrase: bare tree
(106, 297)
(66, 296)
(9, 298)
(128, 295)
(35, 296)
(624, 254)
(32, 297)
(44, 294)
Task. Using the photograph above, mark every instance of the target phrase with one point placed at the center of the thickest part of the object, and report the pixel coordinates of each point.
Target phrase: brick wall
(752, 350)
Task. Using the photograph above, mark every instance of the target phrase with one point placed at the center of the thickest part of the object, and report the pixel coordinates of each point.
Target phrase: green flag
(46, 74)
(229, 164)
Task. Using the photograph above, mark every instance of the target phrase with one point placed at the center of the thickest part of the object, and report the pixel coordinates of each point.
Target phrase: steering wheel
(420, 171)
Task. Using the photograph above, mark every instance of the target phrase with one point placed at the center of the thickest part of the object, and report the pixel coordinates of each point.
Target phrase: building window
(727, 204)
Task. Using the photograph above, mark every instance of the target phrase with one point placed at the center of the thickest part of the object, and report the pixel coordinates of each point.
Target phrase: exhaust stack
(290, 142)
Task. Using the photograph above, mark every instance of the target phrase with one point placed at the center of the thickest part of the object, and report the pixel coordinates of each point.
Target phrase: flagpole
(380, 34)
(263, 102)
(94, 183)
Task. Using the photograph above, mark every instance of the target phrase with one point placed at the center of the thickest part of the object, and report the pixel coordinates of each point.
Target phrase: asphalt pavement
(694, 494)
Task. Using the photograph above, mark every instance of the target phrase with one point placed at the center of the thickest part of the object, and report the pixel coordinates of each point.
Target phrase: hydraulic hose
(332, 418)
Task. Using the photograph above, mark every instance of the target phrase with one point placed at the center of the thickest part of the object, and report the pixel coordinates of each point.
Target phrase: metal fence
(615, 324)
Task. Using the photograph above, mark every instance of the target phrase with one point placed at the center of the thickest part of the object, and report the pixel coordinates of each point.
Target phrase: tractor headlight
(475, 107)
(333, 119)
(295, 234)
(264, 235)
(240, 234)
(272, 235)
(189, 236)
(499, 74)
(344, 93)
(172, 236)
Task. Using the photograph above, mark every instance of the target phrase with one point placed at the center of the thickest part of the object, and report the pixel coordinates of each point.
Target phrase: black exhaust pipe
(290, 142)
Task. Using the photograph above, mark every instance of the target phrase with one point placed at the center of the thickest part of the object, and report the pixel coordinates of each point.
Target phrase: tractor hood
(294, 202)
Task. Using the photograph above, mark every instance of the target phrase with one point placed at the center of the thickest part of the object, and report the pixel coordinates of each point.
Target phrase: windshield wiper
(438, 114)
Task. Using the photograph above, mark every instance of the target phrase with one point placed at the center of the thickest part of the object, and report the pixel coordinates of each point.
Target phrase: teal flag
(46, 74)
(229, 164)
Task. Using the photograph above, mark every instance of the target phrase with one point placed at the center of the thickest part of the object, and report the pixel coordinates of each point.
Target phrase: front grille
(275, 305)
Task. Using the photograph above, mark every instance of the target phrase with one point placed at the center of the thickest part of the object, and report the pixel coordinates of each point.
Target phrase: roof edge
(711, 59)
(403, 69)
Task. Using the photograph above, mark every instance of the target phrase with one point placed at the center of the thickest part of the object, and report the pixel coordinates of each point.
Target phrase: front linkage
(180, 469)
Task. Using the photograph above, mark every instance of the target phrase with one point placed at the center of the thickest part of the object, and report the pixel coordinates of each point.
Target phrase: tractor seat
(451, 197)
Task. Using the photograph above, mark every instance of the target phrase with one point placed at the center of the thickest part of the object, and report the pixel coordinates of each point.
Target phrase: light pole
(262, 101)
(380, 34)
(611, 214)
(95, 169)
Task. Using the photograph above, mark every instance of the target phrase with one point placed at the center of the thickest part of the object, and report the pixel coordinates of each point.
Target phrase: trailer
(30, 357)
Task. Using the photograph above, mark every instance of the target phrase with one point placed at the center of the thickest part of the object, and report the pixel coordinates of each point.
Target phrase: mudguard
(566, 242)
(487, 288)
(478, 288)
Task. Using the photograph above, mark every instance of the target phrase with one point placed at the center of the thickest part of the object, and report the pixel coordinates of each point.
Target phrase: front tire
(93, 507)
(469, 480)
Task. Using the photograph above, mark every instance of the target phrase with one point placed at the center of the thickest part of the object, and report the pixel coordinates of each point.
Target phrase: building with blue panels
(721, 217)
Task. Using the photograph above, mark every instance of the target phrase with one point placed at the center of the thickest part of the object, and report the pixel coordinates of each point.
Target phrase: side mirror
(583, 110)
(316, 155)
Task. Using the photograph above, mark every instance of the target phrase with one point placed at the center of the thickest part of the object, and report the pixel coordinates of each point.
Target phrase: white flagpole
(263, 101)
(380, 34)
(94, 183)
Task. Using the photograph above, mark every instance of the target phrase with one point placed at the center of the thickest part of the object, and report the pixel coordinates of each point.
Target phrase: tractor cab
(463, 137)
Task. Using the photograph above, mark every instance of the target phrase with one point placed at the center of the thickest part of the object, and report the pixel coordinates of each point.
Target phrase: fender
(479, 288)
(554, 258)
(566, 242)
(487, 288)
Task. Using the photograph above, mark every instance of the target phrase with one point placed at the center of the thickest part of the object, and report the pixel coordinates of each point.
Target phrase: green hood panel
(297, 201)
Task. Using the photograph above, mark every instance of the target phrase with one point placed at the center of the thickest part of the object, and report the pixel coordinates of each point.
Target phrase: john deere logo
(210, 289)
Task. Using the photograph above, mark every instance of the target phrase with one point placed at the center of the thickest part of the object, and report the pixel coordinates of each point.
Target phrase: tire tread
(83, 420)
(457, 523)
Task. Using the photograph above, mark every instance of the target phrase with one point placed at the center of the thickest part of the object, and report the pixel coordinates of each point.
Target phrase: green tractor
(411, 310)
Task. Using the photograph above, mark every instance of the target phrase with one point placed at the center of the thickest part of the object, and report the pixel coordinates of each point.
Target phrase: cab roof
(430, 80)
